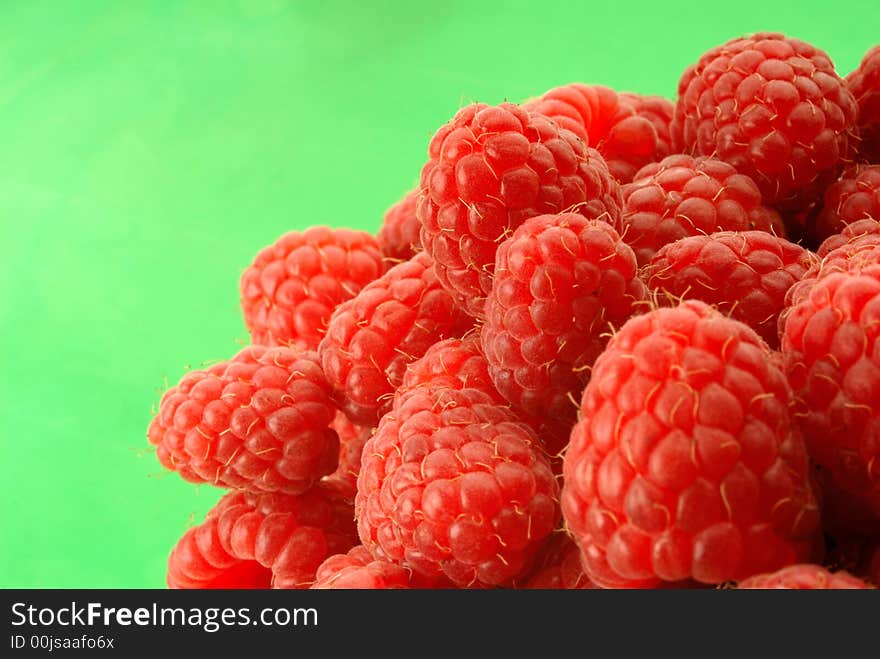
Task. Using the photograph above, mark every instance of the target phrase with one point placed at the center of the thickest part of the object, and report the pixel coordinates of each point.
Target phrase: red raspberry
(259, 421)
(352, 438)
(683, 196)
(490, 169)
(684, 463)
(453, 484)
(803, 577)
(359, 570)
(830, 339)
(559, 566)
(864, 83)
(271, 538)
(293, 286)
(628, 130)
(562, 283)
(372, 337)
(849, 234)
(854, 197)
(452, 363)
(399, 234)
(775, 109)
(746, 275)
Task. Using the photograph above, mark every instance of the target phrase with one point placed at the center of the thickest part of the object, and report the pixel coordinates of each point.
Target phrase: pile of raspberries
(609, 341)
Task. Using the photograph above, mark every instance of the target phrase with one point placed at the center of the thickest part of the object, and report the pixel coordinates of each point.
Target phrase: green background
(149, 149)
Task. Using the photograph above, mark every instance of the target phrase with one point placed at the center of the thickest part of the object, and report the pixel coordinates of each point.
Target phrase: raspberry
(490, 169)
(372, 337)
(399, 234)
(351, 445)
(453, 363)
(864, 83)
(628, 130)
(684, 463)
(830, 339)
(561, 283)
(854, 197)
(259, 421)
(559, 567)
(850, 233)
(683, 196)
(775, 109)
(292, 287)
(453, 484)
(258, 539)
(803, 577)
(745, 274)
(358, 570)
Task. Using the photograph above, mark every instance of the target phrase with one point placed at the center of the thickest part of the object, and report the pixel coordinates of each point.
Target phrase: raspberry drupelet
(683, 196)
(453, 484)
(289, 291)
(775, 109)
(685, 463)
(491, 168)
(259, 421)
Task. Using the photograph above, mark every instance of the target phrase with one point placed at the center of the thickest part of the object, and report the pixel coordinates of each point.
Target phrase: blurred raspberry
(746, 275)
(854, 197)
(629, 130)
(559, 566)
(775, 109)
(388, 324)
(682, 196)
(292, 287)
(490, 169)
(864, 83)
(259, 421)
(685, 463)
(399, 234)
(453, 484)
(273, 538)
(562, 284)
(803, 577)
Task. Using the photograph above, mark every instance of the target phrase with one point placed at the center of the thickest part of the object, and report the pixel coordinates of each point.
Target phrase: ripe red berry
(830, 340)
(399, 234)
(490, 169)
(562, 284)
(775, 109)
(260, 421)
(746, 275)
(559, 566)
(359, 570)
(453, 485)
(685, 463)
(372, 337)
(683, 196)
(854, 197)
(292, 287)
(850, 234)
(803, 577)
(864, 83)
(629, 130)
(253, 540)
